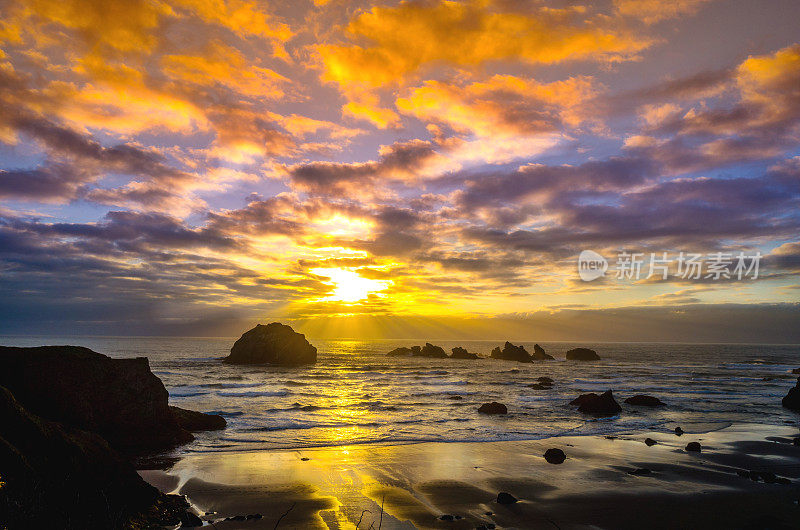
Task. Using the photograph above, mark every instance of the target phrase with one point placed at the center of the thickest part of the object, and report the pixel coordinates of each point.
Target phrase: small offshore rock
(446, 517)
(649, 442)
(462, 353)
(540, 386)
(545, 380)
(643, 400)
(640, 471)
(274, 343)
(493, 408)
(540, 355)
(455, 397)
(602, 405)
(678, 431)
(554, 456)
(582, 354)
(694, 447)
(505, 498)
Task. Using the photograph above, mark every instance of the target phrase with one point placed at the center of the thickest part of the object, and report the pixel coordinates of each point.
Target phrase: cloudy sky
(397, 168)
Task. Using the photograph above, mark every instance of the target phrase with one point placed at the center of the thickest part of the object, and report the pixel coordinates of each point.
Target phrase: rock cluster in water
(599, 405)
(510, 352)
(431, 351)
(274, 343)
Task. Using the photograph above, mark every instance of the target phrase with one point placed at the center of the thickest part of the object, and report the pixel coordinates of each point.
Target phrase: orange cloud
(652, 11)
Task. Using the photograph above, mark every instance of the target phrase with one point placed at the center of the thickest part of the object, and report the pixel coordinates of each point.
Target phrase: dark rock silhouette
(678, 431)
(402, 351)
(197, 421)
(539, 354)
(274, 343)
(554, 456)
(545, 380)
(118, 399)
(642, 471)
(56, 476)
(649, 442)
(792, 400)
(645, 401)
(462, 353)
(429, 350)
(493, 408)
(693, 447)
(582, 354)
(505, 498)
(602, 405)
(540, 386)
(511, 353)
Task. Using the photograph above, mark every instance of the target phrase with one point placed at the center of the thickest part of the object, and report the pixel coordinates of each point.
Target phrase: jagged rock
(461, 353)
(402, 351)
(416, 350)
(511, 353)
(539, 354)
(429, 350)
(792, 400)
(554, 456)
(60, 477)
(645, 401)
(274, 343)
(119, 399)
(582, 354)
(602, 405)
(493, 408)
(198, 421)
(505, 498)
(694, 447)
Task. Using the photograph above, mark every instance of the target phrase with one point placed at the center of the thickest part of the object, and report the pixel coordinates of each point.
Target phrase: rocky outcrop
(792, 399)
(461, 353)
(539, 354)
(56, 476)
(582, 354)
(429, 350)
(694, 447)
(274, 343)
(645, 401)
(602, 405)
(493, 408)
(118, 399)
(402, 351)
(511, 353)
(505, 498)
(197, 421)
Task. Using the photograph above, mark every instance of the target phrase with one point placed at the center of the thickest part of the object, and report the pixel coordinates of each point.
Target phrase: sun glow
(350, 286)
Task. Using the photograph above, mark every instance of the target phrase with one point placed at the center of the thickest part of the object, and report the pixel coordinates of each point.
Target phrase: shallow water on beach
(355, 394)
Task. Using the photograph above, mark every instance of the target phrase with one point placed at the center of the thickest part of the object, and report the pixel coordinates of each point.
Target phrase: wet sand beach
(414, 485)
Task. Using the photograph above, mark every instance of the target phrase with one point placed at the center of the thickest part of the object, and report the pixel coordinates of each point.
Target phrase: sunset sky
(386, 169)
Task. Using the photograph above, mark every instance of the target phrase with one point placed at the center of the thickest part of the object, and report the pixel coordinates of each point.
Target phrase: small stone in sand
(505, 498)
(493, 408)
(678, 431)
(554, 456)
(649, 442)
(693, 447)
(446, 517)
(305, 459)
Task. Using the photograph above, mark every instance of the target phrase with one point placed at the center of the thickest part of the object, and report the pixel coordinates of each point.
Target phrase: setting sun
(350, 286)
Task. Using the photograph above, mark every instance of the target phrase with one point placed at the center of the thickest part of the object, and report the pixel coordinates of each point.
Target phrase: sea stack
(511, 353)
(275, 344)
(582, 354)
(540, 355)
(792, 399)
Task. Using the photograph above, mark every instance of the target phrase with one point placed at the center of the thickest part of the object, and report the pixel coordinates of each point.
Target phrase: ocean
(355, 394)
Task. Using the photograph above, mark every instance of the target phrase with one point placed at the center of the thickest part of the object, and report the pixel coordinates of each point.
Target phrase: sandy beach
(417, 484)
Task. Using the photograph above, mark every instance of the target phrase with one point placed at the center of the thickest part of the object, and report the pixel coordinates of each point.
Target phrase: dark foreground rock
(511, 353)
(645, 401)
(462, 353)
(55, 476)
(602, 405)
(493, 408)
(554, 456)
(693, 447)
(118, 399)
(274, 343)
(505, 498)
(540, 355)
(792, 399)
(582, 354)
(197, 421)
(649, 442)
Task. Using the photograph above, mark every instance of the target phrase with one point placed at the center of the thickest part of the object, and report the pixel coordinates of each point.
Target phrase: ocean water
(355, 394)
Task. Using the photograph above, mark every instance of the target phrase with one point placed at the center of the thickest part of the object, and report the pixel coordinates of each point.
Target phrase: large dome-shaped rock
(462, 353)
(119, 399)
(792, 399)
(493, 408)
(429, 350)
(511, 353)
(540, 355)
(582, 354)
(274, 343)
(602, 405)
